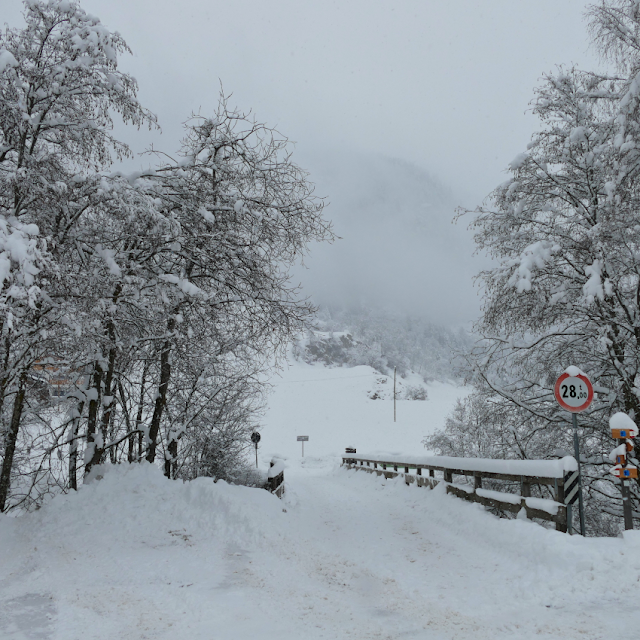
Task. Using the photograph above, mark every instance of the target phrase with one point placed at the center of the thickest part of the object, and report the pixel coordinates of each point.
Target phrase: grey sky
(442, 85)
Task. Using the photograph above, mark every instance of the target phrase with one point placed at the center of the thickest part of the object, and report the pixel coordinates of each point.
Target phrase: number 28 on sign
(573, 391)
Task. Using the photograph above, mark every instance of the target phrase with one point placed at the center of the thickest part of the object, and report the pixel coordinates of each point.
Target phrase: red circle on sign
(562, 392)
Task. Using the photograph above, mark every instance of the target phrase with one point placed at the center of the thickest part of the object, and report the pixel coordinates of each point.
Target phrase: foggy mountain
(399, 248)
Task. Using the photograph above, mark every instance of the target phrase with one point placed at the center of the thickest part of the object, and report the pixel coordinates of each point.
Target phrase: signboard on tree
(573, 390)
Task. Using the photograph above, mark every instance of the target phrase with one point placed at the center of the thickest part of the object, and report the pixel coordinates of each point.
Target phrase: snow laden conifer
(564, 230)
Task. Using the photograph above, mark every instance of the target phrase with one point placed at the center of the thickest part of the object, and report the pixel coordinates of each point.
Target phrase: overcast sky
(442, 85)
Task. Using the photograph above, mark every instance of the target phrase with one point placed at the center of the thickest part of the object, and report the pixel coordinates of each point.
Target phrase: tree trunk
(165, 376)
(73, 448)
(92, 445)
(171, 459)
(141, 411)
(10, 441)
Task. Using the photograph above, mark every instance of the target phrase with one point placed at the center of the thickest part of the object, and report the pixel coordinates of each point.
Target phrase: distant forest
(385, 340)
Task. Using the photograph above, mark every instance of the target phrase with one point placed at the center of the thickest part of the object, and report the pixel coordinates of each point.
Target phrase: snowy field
(333, 407)
(137, 556)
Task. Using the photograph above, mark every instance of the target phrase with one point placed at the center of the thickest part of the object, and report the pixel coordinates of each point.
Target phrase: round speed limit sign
(573, 390)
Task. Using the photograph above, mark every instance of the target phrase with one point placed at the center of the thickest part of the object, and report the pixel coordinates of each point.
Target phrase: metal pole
(626, 495)
(303, 448)
(394, 394)
(576, 450)
(570, 519)
(256, 455)
(626, 505)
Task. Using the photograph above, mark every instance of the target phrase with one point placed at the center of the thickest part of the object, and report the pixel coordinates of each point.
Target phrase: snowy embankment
(137, 556)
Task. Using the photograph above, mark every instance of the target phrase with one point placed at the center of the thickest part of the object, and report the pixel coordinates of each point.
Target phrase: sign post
(303, 439)
(255, 438)
(574, 392)
(624, 429)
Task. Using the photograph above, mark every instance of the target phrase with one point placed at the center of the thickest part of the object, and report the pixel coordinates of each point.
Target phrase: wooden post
(477, 481)
(448, 476)
(419, 471)
(431, 473)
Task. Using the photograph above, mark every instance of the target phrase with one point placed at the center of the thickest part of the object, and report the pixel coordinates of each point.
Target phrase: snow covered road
(377, 559)
(136, 556)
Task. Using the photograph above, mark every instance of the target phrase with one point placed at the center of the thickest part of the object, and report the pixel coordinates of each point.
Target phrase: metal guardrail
(504, 501)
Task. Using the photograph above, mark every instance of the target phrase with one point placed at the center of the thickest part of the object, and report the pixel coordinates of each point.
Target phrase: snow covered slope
(333, 406)
(137, 556)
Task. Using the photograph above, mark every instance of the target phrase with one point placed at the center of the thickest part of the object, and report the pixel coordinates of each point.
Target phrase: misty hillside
(398, 246)
(384, 340)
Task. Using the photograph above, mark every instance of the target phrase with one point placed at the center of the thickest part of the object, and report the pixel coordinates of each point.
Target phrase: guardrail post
(477, 480)
(448, 476)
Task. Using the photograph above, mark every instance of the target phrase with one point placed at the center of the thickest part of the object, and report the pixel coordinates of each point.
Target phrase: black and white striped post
(571, 492)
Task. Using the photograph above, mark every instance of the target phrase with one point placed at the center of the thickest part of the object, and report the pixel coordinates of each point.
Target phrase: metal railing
(551, 510)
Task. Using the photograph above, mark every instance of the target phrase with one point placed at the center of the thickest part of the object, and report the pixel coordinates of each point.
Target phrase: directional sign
(573, 392)
(622, 433)
(303, 438)
(624, 472)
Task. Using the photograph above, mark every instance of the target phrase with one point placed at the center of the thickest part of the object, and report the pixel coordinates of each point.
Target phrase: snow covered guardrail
(275, 479)
(549, 473)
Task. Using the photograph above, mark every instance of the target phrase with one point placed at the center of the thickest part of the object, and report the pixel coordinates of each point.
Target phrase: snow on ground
(136, 556)
(345, 555)
(333, 407)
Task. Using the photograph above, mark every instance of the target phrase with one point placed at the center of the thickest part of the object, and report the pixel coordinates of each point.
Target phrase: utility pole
(394, 394)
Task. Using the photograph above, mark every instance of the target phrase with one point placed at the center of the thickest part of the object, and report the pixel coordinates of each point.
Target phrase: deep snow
(137, 556)
(345, 555)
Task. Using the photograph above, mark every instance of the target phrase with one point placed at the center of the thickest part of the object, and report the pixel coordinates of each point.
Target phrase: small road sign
(303, 439)
(624, 472)
(622, 433)
(255, 438)
(573, 391)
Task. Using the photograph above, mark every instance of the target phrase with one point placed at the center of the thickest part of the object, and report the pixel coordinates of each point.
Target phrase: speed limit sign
(573, 390)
